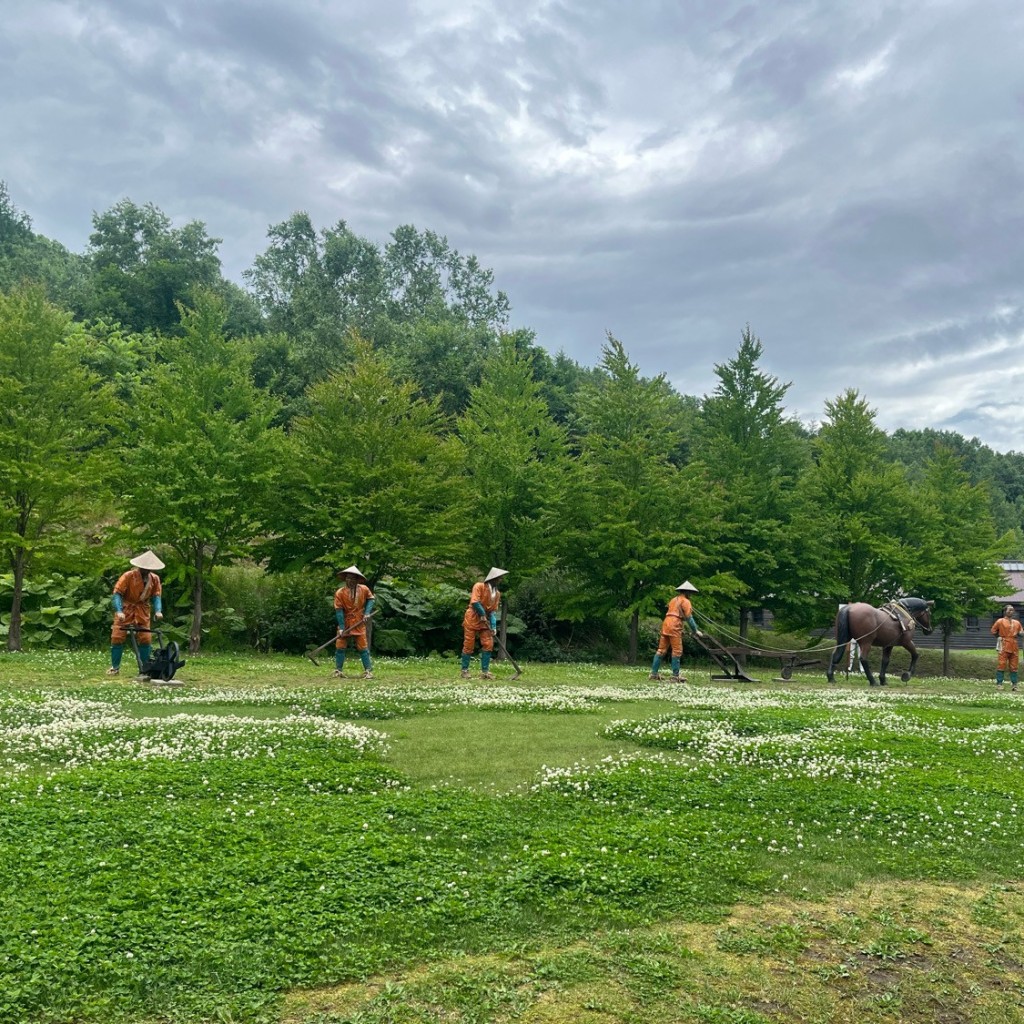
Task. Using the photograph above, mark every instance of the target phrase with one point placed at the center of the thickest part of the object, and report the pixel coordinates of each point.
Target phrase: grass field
(265, 843)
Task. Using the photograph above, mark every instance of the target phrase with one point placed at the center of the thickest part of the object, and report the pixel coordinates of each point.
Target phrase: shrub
(64, 609)
(287, 611)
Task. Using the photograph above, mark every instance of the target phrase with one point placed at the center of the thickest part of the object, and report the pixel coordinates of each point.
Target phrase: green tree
(1002, 472)
(54, 413)
(445, 358)
(443, 315)
(375, 477)
(433, 310)
(640, 521)
(313, 288)
(144, 268)
(956, 563)
(757, 456)
(15, 224)
(26, 257)
(202, 457)
(518, 468)
(427, 278)
(863, 508)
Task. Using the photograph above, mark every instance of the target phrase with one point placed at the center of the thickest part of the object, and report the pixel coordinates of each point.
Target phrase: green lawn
(265, 844)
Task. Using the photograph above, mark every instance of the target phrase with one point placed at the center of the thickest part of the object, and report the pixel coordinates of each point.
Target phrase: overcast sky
(845, 175)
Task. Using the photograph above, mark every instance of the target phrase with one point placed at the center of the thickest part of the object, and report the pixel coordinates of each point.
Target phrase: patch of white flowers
(69, 732)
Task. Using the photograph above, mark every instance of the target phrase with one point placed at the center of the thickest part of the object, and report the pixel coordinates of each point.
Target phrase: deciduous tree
(640, 521)
(144, 268)
(757, 456)
(375, 477)
(862, 507)
(202, 458)
(54, 413)
(956, 564)
(517, 466)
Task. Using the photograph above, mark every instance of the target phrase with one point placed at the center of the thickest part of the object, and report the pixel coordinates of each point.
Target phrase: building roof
(1014, 572)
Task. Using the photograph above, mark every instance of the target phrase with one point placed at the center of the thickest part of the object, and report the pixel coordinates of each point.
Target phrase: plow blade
(724, 659)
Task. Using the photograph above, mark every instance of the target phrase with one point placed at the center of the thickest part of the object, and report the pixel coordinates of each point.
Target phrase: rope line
(738, 639)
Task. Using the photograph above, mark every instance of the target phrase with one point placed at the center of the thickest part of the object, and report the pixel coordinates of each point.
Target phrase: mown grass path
(264, 844)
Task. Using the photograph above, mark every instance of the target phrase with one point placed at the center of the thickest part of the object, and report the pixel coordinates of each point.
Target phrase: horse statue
(883, 627)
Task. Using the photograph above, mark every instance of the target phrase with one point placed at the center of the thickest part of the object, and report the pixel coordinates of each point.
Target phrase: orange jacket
(490, 598)
(136, 596)
(351, 601)
(1007, 630)
(679, 610)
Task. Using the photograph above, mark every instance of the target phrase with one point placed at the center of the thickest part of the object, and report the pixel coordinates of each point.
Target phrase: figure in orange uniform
(679, 611)
(480, 622)
(353, 602)
(1008, 628)
(135, 592)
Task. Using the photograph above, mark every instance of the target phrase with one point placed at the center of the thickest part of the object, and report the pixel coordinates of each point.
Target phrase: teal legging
(117, 652)
(656, 664)
(339, 658)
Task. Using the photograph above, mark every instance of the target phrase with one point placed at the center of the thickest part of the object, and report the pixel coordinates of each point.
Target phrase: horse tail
(843, 626)
(842, 639)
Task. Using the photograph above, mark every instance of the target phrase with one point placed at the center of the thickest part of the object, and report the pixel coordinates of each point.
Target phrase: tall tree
(426, 277)
(517, 463)
(863, 508)
(53, 417)
(314, 288)
(443, 315)
(15, 224)
(375, 477)
(640, 520)
(144, 268)
(757, 457)
(202, 456)
(956, 563)
(433, 310)
(1002, 472)
(26, 257)
(445, 358)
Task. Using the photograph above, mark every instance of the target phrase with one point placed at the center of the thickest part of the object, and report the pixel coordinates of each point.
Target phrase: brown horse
(883, 627)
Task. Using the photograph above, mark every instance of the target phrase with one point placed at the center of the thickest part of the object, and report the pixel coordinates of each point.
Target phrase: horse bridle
(924, 629)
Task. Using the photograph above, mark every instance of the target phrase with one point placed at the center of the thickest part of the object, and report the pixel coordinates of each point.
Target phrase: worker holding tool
(353, 605)
(480, 622)
(679, 611)
(136, 592)
(1006, 630)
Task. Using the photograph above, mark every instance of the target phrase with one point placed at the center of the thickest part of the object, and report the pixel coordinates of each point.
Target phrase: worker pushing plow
(680, 613)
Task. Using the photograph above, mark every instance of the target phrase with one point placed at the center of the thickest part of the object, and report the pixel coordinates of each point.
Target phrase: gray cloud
(847, 177)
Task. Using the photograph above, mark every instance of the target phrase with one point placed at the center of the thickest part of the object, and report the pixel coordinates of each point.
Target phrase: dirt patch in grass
(909, 952)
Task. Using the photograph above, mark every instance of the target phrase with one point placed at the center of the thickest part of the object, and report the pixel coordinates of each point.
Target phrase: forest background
(372, 404)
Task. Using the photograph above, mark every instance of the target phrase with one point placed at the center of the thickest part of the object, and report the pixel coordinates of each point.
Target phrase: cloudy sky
(845, 175)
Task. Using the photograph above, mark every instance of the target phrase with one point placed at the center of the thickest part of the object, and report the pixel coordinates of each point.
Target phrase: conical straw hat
(351, 571)
(688, 586)
(147, 560)
(495, 574)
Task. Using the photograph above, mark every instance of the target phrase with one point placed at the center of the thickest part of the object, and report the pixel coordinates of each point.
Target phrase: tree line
(371, 403)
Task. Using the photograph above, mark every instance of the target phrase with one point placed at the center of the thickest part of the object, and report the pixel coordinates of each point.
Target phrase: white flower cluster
(68, 732)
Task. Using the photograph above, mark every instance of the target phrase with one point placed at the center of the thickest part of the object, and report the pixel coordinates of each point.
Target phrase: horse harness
(898, 612)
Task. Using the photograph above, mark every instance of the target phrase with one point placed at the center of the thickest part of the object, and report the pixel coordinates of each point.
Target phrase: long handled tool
(504, 650)
(345, 632)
